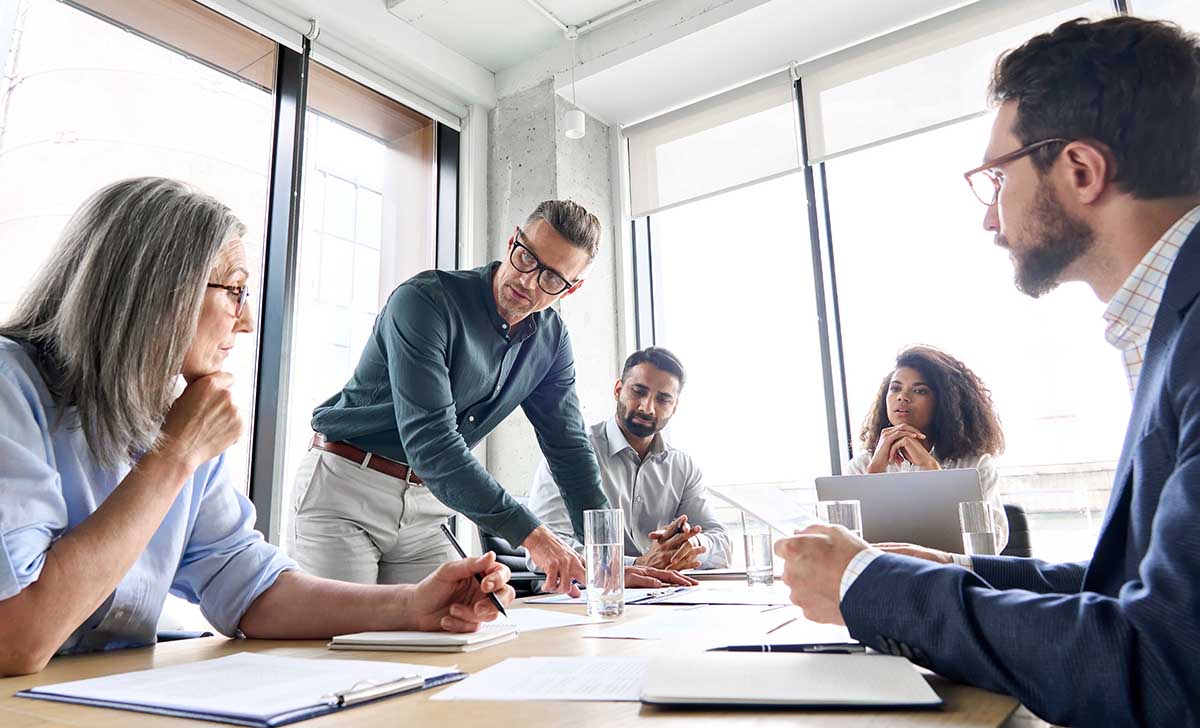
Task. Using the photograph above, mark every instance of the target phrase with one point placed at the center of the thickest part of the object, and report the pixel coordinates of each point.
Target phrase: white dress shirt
(650, 492)
(1130, 316)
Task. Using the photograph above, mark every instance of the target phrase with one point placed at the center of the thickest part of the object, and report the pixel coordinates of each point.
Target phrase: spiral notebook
(250, 689)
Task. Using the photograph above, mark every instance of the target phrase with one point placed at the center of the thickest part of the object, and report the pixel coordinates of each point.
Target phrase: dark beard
(632, 426)
(1062, 239)
(638, 429)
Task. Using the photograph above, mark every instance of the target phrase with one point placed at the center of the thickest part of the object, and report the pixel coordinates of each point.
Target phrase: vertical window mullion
(643, 288)
(280, 263)
(827, 330)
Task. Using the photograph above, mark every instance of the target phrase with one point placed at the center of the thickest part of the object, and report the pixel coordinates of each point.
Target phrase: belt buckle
(409, 475)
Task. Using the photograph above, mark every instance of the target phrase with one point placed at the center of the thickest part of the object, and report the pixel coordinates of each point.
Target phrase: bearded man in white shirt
(669, 522)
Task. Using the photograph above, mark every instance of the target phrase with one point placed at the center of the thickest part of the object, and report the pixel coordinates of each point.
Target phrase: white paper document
(531, 620)
(555, 678)
(720, 626)
(631, 596)
(246, 685)
(743, 594)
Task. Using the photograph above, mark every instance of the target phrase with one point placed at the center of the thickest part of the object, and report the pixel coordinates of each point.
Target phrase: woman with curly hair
(933, 413)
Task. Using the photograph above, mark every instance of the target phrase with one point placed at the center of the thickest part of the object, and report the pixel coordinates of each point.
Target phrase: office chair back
(1019, 541)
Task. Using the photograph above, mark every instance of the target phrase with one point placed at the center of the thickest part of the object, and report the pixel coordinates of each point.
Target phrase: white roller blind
(741, 136)
(921, 77)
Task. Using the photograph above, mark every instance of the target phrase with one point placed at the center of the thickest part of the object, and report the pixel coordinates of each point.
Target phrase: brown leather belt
(364, 459)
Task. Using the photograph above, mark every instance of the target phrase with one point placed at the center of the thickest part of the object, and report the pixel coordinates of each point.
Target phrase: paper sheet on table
(530, 620)
(555, 678)
(719, 626)
(743, 594)
(631, 596)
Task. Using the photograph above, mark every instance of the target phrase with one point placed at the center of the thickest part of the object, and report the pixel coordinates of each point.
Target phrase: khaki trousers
(360, 525)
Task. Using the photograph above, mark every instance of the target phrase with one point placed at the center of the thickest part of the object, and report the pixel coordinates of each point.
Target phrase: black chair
(1019, 543)
(174, 635)
(524, 582)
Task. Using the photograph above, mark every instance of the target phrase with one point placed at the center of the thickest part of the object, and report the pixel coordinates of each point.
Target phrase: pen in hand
(454, 542)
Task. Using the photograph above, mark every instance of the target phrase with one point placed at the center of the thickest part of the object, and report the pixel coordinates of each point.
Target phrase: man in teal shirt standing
(451, 355)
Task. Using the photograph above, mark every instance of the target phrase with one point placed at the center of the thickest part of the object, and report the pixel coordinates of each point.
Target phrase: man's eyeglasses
(987, 179)
(523, 259)
(241, 293)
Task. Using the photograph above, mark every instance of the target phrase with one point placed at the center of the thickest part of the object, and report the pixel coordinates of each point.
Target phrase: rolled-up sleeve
(226, 564)
(33, 511)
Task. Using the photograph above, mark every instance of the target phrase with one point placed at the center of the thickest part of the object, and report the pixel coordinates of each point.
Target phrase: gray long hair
(112, 313)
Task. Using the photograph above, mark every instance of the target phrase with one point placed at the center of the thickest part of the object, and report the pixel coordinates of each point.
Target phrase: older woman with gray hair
(113, 492)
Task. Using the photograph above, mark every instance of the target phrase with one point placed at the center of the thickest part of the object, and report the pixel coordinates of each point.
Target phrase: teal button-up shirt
(441, 370)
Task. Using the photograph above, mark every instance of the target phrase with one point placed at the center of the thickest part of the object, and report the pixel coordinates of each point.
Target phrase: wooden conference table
(964, 706)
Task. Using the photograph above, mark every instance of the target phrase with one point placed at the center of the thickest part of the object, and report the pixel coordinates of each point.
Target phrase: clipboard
(248, 689)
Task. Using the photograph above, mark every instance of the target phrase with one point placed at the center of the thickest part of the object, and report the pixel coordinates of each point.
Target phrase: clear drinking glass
(760, 562)
(978, 528)
(604, 552)
(846, 513)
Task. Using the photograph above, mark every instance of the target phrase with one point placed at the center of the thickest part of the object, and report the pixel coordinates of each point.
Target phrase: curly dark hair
(1129, 83)
(965, 422)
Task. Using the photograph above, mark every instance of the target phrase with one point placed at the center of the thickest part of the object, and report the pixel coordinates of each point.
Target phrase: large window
(85, 102)
(368, 200)
(915, 266)
(733, 295)
(891, 125)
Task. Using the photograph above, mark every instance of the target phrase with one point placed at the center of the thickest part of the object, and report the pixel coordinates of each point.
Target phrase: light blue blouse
(206, 549)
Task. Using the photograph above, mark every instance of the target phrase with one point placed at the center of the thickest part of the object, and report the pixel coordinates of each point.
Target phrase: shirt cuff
(963, 560)
(856, 566)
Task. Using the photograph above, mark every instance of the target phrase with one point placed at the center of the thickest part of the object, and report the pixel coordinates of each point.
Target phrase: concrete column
(530, 161)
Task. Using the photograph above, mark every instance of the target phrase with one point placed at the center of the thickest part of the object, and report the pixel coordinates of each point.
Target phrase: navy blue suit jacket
(1110, 641)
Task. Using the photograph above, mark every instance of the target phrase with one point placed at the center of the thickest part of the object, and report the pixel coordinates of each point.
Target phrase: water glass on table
(847, 513)
(604, 554)
(760, 560)
(978, 528)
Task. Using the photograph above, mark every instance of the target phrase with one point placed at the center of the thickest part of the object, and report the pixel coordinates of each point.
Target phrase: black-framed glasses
(523, 259)
(241, 293)
(987, 179)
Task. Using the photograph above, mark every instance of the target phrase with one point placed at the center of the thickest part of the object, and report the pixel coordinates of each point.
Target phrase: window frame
(837, 409)
(280, 262)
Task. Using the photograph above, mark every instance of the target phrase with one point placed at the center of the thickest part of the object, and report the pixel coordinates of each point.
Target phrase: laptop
(919, 507)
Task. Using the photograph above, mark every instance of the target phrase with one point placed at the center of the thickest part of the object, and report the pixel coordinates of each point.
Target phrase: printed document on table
(555, 678)
(530, 620)
(761, 595)
(721, 625)
(631, 596)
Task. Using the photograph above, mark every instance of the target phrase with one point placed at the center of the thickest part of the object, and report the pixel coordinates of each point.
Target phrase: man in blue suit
(1092, 174)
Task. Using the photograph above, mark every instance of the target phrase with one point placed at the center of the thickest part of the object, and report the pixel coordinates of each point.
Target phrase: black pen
(478, 578)
(835, 648)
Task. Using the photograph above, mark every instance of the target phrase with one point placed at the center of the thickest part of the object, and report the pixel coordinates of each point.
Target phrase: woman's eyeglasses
(239, 293)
